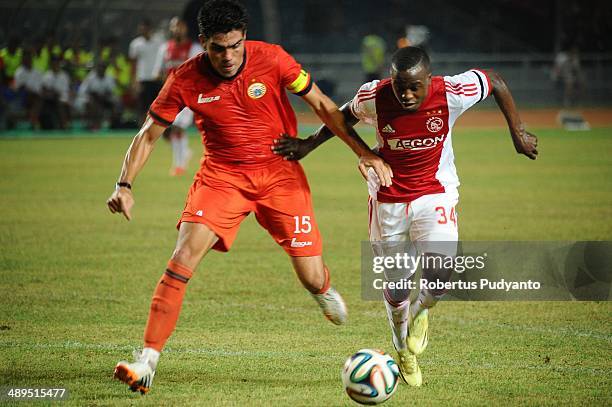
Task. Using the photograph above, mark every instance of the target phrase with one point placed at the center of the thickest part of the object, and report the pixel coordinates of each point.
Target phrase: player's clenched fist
(526, 143)
(380, 167)
(121, 201)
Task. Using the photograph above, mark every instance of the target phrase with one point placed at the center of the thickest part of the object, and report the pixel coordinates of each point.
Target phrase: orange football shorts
(222, 196)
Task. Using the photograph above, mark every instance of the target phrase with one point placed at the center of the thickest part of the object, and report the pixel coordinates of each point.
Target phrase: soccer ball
(370, 376)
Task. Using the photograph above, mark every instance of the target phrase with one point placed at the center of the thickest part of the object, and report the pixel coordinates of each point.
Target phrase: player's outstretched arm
(524, 142)
(293, 148)
(335, 121)
(121, 200)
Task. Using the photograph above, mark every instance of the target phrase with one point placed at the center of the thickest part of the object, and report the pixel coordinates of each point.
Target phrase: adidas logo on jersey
(388, 129)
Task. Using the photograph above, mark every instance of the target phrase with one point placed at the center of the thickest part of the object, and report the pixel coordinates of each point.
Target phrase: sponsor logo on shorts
(434, 124)
(199, 213)
(295, 243)
(256, 90)
(209, 99)
(415, 143)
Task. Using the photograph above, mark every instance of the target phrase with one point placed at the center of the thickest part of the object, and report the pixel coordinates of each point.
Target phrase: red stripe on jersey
(459, 86)
(462, 93)
(461, 89)
(361, 99)
(366, 92)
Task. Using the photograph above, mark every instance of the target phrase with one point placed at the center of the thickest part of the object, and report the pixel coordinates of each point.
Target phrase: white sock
(398, 320)
(151, 356)
(424, 301)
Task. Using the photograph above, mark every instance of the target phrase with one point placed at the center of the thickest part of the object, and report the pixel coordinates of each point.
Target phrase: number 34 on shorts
(446, 215)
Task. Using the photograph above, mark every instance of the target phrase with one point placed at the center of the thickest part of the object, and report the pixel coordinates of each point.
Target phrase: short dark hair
(407, 58)
(222, 16)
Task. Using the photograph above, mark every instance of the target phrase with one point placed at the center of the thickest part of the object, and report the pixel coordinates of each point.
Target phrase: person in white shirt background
(143, 53)
(96, 97)
(28, 82)
(56, 100)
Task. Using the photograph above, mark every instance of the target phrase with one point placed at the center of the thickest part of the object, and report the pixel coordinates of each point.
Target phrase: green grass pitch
(77, 281)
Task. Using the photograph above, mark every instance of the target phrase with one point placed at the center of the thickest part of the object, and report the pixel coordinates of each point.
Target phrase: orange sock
(325, 287)
(166, 305)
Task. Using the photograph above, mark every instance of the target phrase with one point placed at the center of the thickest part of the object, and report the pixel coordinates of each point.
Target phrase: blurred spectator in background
(567, 73)
(11, 57)
(415, 36)
(46, 47)
(56, 97)
(28, 87)
(78, 60)
(143, 53)
(120, 68)
(373, 50)
(40, 57)
(97, 99)
(173, 53)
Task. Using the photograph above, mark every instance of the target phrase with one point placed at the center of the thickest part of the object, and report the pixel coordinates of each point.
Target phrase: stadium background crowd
(66, 64)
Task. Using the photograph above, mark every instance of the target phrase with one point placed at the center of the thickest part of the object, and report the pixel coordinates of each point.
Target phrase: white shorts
(184, 119)
(428, 224)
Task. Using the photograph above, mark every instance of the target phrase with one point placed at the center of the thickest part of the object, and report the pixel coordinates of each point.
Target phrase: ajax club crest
(434, 124)
(256, 90)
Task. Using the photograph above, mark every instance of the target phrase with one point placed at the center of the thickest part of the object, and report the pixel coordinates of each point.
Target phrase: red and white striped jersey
(417, 145)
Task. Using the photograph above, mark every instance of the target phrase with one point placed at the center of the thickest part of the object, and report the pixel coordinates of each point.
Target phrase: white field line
(75, 345)
(429, 361)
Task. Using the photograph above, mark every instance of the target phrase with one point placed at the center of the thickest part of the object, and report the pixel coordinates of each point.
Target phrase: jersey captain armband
(301, 85)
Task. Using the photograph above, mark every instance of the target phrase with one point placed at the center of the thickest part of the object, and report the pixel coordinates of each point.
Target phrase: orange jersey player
(236, 90)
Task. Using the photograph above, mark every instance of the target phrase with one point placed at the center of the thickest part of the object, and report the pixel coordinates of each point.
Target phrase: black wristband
(124, 185)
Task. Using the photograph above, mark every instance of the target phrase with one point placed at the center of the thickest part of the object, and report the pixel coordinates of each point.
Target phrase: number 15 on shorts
(445, 215)
(302, 224)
